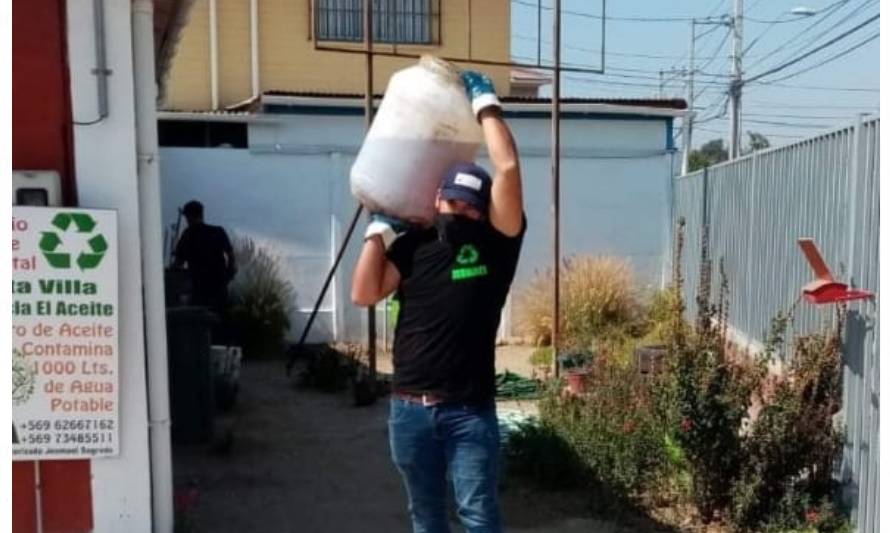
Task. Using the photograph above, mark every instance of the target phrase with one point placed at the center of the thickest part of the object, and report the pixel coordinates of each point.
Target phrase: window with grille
(395, 21)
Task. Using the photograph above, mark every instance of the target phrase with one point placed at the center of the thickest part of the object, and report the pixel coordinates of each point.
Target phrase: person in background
(207, 254)
(451, 280)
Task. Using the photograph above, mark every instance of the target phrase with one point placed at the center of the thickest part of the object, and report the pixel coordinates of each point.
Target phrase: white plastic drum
(424, 126)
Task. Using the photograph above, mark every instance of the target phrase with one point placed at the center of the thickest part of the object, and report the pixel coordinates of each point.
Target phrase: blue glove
(480, 91)
(388, 228)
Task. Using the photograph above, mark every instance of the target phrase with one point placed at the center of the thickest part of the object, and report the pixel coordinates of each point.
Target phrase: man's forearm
(499, 141)
(368, 275)
(505, 211)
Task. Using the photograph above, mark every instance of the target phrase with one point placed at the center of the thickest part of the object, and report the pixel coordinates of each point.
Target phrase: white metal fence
(756, 208)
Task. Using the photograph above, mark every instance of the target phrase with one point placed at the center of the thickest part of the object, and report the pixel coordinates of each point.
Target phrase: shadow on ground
(305, 461)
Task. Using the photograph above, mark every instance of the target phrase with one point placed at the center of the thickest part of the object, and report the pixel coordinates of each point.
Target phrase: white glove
(388, 228)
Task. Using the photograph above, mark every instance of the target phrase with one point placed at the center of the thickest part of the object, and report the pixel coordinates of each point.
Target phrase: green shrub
(542, 357)
(537, 452)
(261, 300)
(712, 396)
(794, 442)
(660, 317)
(329, 369)
(681, 436)
(612, 429)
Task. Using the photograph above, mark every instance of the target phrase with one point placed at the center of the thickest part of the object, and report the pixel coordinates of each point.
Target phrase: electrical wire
(786, 124)
(799, 117)
(836, 25)
(817, 87)
(596, 51)
(775, 22)
(794, 105)
(582, 14)
(716, 53)
(768, 135)
(828, 13)
(830, 59)
(813, 51)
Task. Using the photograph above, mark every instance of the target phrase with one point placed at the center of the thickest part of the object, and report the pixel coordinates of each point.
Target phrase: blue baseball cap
(469, 183)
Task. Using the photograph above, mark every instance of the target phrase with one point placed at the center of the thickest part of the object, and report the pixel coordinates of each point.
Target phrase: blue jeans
(429, 444)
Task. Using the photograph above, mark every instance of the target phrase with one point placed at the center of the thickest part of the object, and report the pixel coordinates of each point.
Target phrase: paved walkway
(304, 461)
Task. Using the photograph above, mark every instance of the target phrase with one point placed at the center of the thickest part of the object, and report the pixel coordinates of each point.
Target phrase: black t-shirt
(204, 249)
(453, 286)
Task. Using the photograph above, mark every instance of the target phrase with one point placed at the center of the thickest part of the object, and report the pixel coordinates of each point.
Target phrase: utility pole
(555, 176)
(735, 88)
(690, 102)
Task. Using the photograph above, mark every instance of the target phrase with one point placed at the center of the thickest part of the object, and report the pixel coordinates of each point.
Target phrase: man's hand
(387, 228)
(480, 91)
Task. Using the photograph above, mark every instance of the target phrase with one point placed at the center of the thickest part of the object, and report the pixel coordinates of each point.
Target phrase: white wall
(105, 164)
(282, 203)
(294, 176)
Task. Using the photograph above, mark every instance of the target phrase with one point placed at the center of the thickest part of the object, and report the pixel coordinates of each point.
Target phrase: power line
(817, 87)
(710, 16)
(791, 105)
(715, 54)
(594, 50)
(830, 10)
(786, 124)
(768, 135)
(832, 58)
(773, 24)
(800, 117)
(813, 51)
(600, 17)
(836, 25)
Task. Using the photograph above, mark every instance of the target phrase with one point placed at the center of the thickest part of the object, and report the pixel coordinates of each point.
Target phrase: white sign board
(64, 333)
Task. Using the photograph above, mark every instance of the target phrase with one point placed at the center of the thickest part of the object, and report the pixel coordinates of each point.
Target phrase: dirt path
(305, 461)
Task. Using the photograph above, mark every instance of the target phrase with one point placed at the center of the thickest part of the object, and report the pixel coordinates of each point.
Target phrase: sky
(821, 99)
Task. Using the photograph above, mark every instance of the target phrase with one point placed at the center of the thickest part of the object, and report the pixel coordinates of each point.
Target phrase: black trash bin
(192, 404)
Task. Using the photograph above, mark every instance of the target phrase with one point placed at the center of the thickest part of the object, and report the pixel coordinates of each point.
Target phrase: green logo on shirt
(467, 258)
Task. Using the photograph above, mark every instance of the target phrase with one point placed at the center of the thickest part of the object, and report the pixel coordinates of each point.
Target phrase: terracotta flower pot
(577, 381)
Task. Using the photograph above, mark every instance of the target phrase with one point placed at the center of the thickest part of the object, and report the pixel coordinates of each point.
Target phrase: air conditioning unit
(36, 187)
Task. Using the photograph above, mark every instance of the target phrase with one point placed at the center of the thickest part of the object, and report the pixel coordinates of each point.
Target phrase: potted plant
(576, 365)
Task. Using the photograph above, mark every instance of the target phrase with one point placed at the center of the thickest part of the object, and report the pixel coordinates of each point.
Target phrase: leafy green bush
(538, 453)
(794, 442)
(681, 435)
(329, 368)
(261, 300)
(612, 429)
(762, 479)
(542, 357)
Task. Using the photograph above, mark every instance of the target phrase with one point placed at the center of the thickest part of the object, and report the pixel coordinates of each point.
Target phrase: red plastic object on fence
(825, 289)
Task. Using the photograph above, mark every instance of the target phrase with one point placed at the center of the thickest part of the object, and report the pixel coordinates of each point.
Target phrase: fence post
(705, 207)
(749, 282)
(853, 382)
(852, 201)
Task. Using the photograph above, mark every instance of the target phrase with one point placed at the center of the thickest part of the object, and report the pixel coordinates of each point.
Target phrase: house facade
(234, 50)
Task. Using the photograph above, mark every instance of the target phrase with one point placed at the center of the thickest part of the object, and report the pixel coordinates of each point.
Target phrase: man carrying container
(451, 280)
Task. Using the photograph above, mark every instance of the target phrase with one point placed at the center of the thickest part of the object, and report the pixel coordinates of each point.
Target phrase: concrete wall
(105, 160)
(289, 62)
(290, 189)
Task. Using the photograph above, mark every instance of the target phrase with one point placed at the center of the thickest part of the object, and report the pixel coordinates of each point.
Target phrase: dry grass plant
(596, 293)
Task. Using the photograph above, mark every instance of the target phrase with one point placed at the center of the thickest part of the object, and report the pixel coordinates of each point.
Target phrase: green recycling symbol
(467, 255)
(80, 223)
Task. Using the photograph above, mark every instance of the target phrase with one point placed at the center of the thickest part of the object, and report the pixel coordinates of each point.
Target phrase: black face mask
(457, 229)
